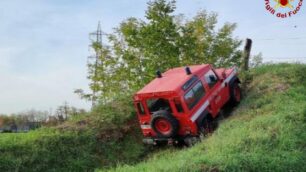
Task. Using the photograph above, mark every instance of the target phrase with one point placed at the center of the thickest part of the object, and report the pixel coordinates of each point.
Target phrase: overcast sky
(44, 44)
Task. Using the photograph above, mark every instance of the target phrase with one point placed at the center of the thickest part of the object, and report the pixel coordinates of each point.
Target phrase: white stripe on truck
(198, 113)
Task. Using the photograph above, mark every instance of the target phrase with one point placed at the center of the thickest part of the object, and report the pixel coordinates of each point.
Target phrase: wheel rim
(237, 93)
(163, 126)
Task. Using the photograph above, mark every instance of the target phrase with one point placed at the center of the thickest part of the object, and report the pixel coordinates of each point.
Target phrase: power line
(284, 57)
(272, 39)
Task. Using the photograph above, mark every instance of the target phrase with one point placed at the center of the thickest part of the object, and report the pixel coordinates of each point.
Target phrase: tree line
(32, 119)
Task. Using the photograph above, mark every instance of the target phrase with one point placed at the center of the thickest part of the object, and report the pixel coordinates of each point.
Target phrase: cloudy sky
(44, 44)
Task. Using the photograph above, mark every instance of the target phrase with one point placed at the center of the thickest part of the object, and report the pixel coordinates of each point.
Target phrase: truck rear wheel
(164, 124)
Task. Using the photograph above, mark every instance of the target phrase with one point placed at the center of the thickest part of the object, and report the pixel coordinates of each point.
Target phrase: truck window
(157, 104)
(193, 96)
(178, 105)
(140, 108)
(192, 80)
(211, 78)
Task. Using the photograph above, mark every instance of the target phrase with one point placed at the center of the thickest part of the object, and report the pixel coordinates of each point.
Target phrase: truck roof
(171, 80)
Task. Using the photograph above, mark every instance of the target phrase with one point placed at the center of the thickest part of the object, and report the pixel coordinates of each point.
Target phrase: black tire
(191, 141)
(233, 91)
(179, 144)
(165, 115)
(161, 143)
(206, 126)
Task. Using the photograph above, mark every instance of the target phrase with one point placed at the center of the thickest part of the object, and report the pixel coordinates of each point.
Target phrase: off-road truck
(178, 106)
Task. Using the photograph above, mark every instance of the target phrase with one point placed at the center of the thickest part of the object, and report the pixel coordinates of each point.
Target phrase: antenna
(188, 71)
(158, 74)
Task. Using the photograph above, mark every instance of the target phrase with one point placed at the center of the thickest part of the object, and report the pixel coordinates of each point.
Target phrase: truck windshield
(157, 104)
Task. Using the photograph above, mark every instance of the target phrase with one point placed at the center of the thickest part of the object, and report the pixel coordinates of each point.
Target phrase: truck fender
(233, 80)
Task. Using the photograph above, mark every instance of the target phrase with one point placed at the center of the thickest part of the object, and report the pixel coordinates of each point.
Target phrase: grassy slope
(46, 149)
(265, 133)
(81, 144)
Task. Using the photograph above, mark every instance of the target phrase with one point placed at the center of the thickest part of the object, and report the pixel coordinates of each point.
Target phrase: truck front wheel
(235, 93)
(206, 127)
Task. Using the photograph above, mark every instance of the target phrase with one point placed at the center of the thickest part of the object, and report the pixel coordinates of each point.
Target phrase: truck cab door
(215, 90)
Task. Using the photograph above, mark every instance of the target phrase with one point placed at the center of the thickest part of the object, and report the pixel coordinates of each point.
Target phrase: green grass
(83, 143)
(57, 150)
(47, 150)
(267, 132)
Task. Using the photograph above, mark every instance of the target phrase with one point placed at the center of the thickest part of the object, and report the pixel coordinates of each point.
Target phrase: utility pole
(246, 54)
(245, 62)
(97, 46)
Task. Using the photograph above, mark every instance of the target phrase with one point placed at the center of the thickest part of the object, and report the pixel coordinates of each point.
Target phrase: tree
(140, 47)
(256, 60)
(64, 112)
(99, 73)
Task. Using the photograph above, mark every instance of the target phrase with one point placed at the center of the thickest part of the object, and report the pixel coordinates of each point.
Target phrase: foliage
(265, 133)
(256, 61)
(64, 112)
(138, 48)
(113, 114)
